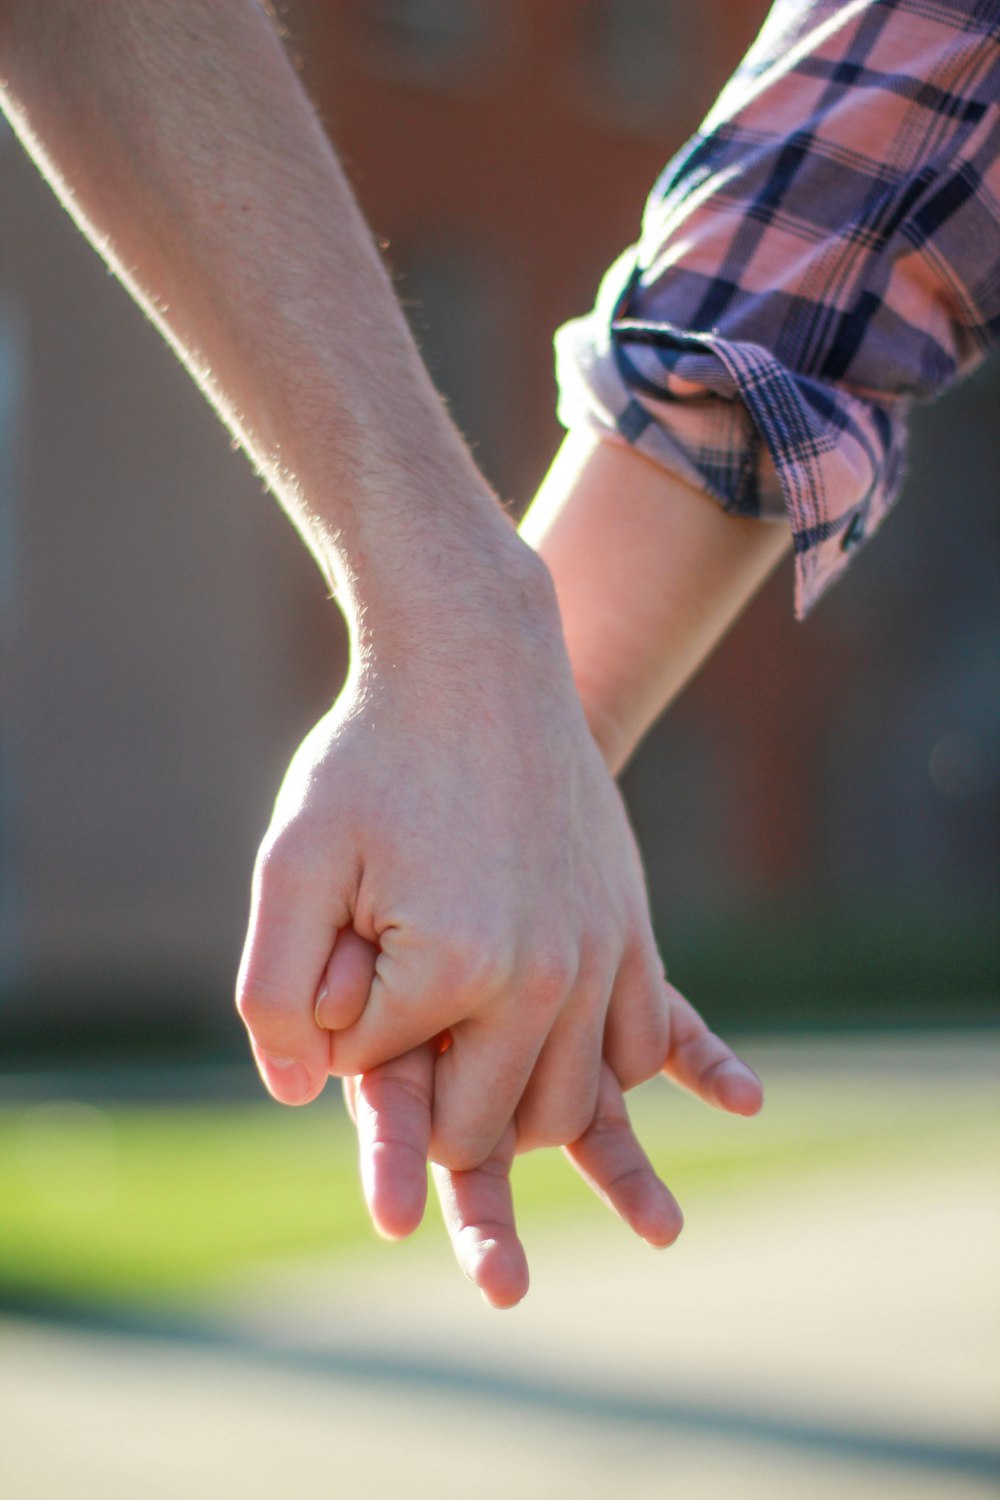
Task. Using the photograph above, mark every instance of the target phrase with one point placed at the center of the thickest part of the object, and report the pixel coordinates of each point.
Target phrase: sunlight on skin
(650, 574)
(646, 587)
(392, 1110)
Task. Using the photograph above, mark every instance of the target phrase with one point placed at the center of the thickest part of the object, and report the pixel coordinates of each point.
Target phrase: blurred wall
(153, 609)
(164, 639)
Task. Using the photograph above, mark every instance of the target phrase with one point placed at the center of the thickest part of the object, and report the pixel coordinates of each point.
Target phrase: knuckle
(595, 969)
(282, 863)
(537, 1129)
(263, 1006)
(461, 1155)
(550, 973)
(470, 965)
(578, 1121)
(650, 1052)
(394, 1097)
(461, 1147)
(610, 1125)
(272, 871)
(636, 1067)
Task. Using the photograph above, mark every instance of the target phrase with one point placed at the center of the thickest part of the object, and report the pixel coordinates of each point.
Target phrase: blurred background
(819, 815)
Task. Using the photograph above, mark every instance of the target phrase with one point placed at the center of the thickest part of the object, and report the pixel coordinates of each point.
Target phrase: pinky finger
(702, 1063)
(611, 1161)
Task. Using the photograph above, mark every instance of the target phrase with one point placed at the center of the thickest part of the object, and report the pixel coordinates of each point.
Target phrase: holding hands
(449, 854)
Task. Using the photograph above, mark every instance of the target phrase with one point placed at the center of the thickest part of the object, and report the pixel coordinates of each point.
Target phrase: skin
(502, 887)
(650, 574)
(495, 880)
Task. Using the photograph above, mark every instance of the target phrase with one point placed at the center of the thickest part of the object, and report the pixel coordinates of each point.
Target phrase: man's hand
(452, 806)
(454, 810)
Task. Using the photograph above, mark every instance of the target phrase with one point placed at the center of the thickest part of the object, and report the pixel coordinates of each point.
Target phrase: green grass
(137, 1203)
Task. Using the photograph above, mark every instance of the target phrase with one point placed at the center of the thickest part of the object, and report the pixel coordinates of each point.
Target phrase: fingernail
(324, 990)
(287, 1079)
(744, 1087)
(664, 1227)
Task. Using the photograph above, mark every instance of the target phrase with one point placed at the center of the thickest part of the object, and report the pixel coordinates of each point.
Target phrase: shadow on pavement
(573, 1402)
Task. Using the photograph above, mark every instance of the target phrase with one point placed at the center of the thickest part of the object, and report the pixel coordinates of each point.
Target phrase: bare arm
(181, 142)
(451, 807)
(650, 575)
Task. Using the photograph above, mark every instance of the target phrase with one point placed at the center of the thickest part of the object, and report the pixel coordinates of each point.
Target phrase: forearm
(180, 140)
(650, 574)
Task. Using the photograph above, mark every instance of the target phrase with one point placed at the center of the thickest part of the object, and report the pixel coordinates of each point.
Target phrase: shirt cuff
(729, 418)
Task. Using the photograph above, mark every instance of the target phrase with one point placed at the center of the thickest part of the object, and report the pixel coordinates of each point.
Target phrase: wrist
(436, 581)
(607, 724)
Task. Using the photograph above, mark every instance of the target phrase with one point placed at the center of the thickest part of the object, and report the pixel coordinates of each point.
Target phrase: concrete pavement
(832, 1331)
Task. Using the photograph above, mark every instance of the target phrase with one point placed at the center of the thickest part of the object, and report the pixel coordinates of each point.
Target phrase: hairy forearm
(179, 138)
(650, 574)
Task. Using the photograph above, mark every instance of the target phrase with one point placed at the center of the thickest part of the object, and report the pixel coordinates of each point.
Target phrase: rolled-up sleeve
(823, 253)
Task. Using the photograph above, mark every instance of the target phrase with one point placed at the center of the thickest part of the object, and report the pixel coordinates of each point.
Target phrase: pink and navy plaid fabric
(824, 251)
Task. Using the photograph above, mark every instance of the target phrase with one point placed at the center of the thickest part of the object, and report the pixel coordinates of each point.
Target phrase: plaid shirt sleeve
(824, 251)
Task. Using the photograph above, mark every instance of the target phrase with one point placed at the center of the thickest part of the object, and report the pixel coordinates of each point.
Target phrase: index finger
(391, 1107)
